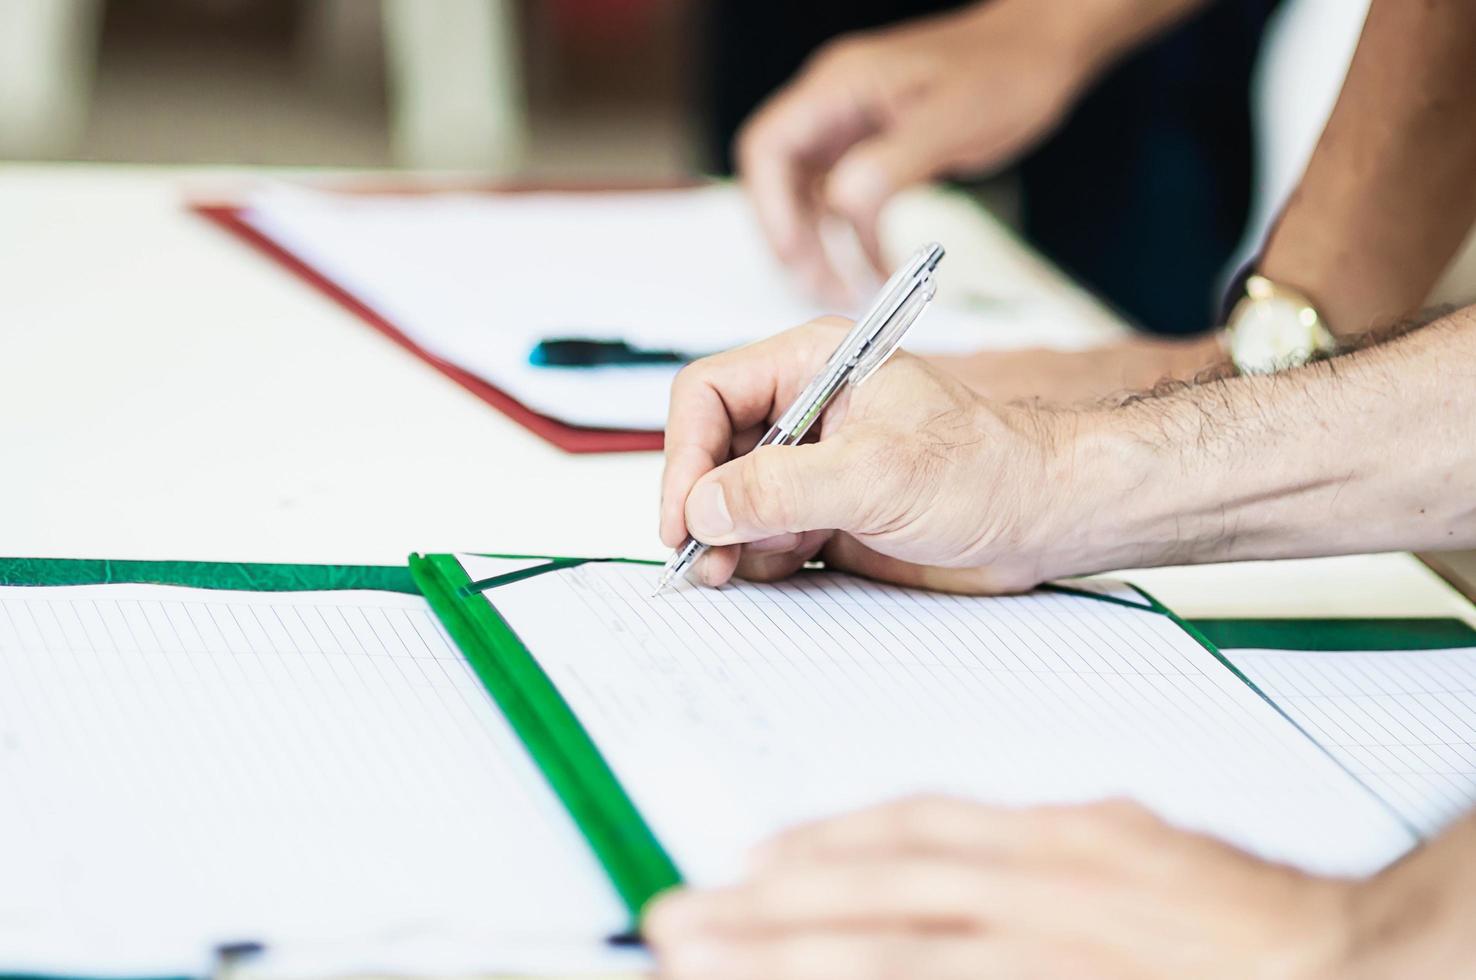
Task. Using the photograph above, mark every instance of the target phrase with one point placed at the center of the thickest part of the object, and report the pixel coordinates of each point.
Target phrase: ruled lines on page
(1403, 721)
(730, 714)
(182, 768)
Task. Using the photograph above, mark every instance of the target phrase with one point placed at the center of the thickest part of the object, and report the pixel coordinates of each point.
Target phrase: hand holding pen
(903, 470)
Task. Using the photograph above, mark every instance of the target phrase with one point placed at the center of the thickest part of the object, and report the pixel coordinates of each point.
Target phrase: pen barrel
(796, 422)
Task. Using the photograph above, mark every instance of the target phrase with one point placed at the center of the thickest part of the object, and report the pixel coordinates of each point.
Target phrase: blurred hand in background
(961, 93)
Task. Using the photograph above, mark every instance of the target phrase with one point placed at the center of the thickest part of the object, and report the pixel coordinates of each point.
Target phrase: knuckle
(918, 817)
(1092, 824)
(925, 806)
(1122, 812)
(844, 53)
(1054, 822)
(856, 189)
(692, 375)
(1126, 815)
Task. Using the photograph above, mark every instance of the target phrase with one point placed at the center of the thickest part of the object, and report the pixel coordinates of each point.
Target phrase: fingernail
(707, 512)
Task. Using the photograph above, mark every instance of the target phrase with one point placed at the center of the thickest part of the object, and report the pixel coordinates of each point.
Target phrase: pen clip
(889, 338)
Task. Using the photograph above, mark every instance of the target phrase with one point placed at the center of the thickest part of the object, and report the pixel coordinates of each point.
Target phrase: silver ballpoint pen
(865, 348)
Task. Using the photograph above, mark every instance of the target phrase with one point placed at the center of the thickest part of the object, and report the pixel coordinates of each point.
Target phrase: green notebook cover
(635, 861)
(1320, 635)
(243, 576)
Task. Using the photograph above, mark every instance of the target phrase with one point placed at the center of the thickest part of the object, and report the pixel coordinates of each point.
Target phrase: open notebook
(496, 773)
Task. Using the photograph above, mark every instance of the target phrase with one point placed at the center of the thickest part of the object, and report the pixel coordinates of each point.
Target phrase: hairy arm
(1390, 192)
(1372, 451)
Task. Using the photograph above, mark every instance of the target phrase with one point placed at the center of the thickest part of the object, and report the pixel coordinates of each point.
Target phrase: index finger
(782, 154)
(718, 397)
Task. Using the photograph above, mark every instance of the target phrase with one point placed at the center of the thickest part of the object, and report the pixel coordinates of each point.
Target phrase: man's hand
(919, 480)
(940, 888)
(915, 479)
(960, 93)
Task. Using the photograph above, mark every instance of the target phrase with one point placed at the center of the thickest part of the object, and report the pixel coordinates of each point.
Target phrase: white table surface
(167, 393)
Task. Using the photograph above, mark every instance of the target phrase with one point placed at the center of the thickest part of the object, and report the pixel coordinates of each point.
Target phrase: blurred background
(549, 88)
(1151, 191)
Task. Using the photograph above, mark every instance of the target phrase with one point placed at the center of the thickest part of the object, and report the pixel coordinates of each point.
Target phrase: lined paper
(730, 714)
(1403, 721)
(318, 771)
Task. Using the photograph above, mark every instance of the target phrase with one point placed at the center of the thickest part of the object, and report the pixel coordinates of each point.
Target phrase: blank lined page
(1404, 721)
(320, 771)
(731, 714)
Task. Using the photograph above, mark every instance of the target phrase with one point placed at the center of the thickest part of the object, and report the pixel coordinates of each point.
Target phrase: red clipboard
(571, 439)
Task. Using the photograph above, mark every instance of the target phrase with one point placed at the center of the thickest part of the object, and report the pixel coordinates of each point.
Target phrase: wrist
(1113, 513)
(1145, 490)
(1088, 509)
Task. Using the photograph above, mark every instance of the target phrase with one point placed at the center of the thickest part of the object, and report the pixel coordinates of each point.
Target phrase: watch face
(1272, 333)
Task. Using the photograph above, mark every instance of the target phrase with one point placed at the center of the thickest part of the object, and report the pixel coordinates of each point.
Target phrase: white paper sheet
(321, 772)
(731, 714)
(1403, 721)
(479, 279)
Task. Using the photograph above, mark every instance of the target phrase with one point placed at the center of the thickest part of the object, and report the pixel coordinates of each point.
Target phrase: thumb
(777, 490)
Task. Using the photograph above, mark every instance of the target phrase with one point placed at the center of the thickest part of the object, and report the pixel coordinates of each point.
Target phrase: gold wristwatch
(1274, 327)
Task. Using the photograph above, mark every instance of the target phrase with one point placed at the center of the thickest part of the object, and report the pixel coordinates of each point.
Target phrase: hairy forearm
(1372, 451)
(1389, 193)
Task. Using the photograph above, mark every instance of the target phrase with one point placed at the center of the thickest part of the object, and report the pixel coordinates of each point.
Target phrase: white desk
(167, 393)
